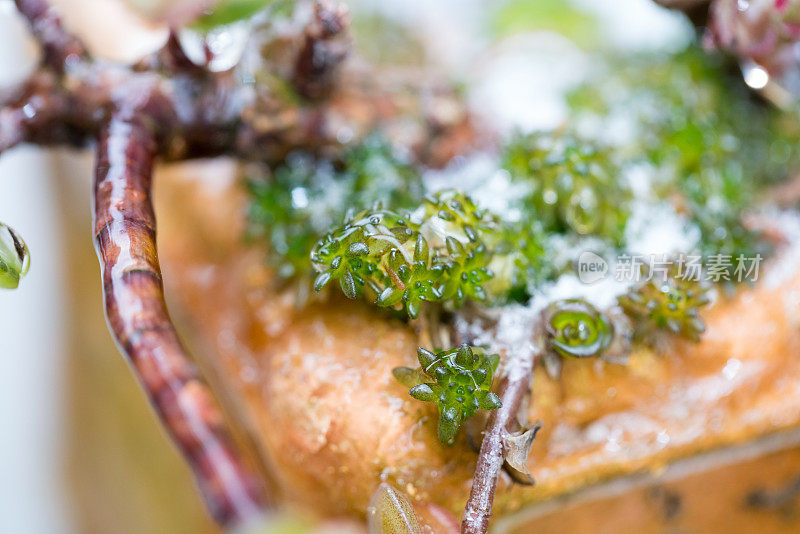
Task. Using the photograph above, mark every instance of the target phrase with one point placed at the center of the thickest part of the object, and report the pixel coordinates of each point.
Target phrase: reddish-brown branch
(216, 115)
(514, 388)
(58, 46)
(166, 107)
(39, 111)
(125, 238)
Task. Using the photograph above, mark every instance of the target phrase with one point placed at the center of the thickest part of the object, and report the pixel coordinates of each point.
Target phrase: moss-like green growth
(573, 186)
(459, 381)
(380, 173)
(704, 143)
(577, 329)
(669, 300)
(443, 252)
(378, 254)
(710, 143)
(304, 198)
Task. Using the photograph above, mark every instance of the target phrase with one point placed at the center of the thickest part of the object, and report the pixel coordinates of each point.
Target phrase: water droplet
(220, 49)
(29, 111)
(299, 197)
(731, 368)
(755, 76)
(344, 134)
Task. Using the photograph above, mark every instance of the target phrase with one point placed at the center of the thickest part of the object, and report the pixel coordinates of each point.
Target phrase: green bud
(670, 302)
(14, 258)
(577, 329)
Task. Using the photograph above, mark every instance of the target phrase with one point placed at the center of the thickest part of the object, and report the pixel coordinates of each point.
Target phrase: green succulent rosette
(458, 380)
(667, 301)
(577, 329)
(573, 186)
(442, 252)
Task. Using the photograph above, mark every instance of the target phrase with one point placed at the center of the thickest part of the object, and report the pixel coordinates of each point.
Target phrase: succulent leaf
(390, 512)
(407, 376)
(422, 392)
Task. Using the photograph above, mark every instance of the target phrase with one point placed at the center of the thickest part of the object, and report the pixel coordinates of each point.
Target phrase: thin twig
(36, 111)
(515, 386)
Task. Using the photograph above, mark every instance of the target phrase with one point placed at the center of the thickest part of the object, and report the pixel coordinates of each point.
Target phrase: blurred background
(79, 448)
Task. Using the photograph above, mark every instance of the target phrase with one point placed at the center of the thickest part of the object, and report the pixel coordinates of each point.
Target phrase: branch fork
(162, 107)
(167, 108)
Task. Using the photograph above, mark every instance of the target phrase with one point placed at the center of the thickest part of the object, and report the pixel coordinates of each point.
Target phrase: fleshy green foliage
(576, 328)
(441, 253)
(305, 197)
(710, 143)
(380, 174)
(229, 11)
(293, 208)
(458, 380)
(465, 262)
(669, 300)
(573, 186)
(523, 260)
(14, 258)
(377, 252)
(704, 143)
(716, 200)
(718, 145)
